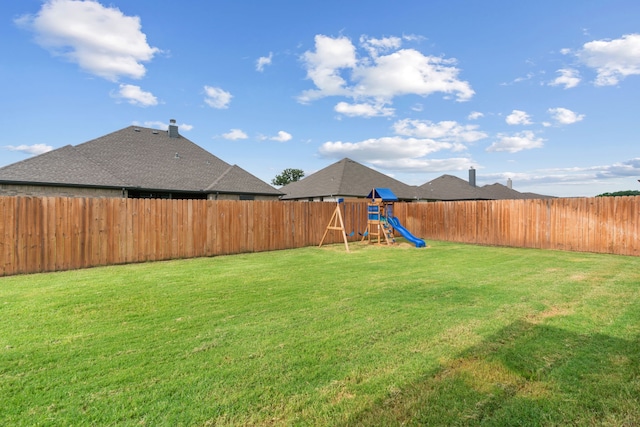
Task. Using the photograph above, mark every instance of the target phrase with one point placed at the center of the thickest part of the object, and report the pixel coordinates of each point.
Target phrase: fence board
(5, 242)
(634, 227)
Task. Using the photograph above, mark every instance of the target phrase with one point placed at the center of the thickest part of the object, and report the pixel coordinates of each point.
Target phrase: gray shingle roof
(237, 180)
(449, 187)
(137, 157)
(64, 166)
(529, 195)
(499, 191)
(345, 178)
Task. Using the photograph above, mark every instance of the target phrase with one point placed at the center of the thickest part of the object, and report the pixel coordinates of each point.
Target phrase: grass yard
(448, 335)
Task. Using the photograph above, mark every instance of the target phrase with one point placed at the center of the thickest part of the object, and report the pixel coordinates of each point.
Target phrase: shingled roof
(499, 191)
(346, 178)
(137, 158)
(449, 187)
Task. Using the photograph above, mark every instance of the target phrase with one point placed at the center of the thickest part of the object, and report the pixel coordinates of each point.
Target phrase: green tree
(620, 193)
(287, 176)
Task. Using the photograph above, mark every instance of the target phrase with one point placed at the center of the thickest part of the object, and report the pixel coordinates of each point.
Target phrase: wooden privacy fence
(52, 234)
(599, 224)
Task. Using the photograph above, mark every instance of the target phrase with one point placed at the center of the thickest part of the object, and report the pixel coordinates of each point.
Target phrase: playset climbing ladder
(380, 208)
(377, 227)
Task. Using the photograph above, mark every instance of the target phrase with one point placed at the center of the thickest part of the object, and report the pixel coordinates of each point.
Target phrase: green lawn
(448, 335)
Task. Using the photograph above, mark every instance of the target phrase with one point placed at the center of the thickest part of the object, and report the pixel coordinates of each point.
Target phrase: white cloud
(475, 115)
(216, 97)
(387, 148)
(263, 61)
(409, 72)
(517, 142)
(363, 110)
(574, 181)
(445, 130)
(413, 37)
(578, 175)
(34, 149)
(324, 65)
(527, 77)
(101, 40)
(136, 96)
(568, 78)
(613, 60)
(565, 116)
(397, 153)
(376, 46)
(412, 147)
(518, 117)
(282, 136)
(164, 126)
(424, 165)
(234, 135)
(384, 72)
(622, 169)
(152, 124)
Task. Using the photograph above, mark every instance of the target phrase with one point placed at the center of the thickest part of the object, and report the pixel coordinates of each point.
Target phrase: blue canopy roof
(382, 193)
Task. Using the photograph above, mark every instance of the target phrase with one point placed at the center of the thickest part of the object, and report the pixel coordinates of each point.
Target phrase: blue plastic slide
(395, 223)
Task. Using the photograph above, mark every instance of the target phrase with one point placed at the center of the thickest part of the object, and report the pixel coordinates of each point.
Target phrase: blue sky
(542, 92)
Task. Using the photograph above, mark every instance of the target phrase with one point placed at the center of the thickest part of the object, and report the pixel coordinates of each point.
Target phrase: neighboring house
(452, 188)
(350, 179)
(499, 191)
(345, 179)
(449, 188)
(134, 162)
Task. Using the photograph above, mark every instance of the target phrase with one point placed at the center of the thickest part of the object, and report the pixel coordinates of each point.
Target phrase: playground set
(381, 223)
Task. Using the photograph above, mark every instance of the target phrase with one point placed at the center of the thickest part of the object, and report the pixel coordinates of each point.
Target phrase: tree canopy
(288, 176)
(620, 193)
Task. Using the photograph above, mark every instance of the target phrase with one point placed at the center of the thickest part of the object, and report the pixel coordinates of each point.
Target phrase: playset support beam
(336, 223)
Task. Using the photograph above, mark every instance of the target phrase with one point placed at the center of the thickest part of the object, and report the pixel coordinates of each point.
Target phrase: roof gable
(345, 178)
(499, 191)
(237, 180)
(449, 187)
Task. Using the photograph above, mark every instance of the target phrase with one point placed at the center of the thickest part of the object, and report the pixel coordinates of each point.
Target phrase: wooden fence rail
(39, 234)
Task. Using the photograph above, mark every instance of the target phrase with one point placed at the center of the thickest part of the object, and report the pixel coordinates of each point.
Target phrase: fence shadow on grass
(526, 374)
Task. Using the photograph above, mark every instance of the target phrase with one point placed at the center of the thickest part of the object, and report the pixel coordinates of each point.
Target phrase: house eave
(64, 184)
(136, 188)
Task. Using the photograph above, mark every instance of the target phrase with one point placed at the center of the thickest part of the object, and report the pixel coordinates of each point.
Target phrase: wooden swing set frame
(336, 223)
(377, 230)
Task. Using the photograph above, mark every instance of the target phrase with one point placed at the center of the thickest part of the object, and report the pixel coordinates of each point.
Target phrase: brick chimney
(173, 129)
